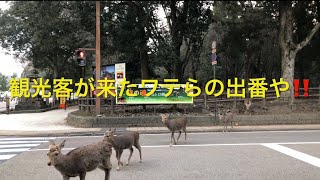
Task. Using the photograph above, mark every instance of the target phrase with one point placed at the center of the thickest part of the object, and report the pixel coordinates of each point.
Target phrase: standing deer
(123, 141)
(226, 118)
(81, 160)
(173, 125)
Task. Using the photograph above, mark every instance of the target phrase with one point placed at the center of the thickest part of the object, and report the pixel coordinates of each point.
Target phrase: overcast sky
(8, 65)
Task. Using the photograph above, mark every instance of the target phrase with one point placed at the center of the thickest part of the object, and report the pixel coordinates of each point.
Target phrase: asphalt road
(236, 155)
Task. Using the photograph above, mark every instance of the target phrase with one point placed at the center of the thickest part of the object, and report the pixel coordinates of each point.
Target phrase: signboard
(178, 95)
(214, 55)
(114, 71)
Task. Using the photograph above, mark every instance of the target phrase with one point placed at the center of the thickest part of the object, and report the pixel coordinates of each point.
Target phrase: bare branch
(308, 38)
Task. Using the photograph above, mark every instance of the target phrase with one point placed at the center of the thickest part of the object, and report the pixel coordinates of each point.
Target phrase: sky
(8, 65)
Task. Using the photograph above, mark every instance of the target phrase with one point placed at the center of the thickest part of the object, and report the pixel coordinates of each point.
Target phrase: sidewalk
(52, 123)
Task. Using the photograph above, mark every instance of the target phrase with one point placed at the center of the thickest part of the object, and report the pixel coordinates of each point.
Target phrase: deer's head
(54, 151)
(109, 135)
(164, 117)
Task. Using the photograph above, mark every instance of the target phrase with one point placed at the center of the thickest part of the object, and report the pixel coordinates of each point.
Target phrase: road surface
(236, 155)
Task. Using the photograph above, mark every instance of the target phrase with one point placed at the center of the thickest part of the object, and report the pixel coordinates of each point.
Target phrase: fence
(88, 104)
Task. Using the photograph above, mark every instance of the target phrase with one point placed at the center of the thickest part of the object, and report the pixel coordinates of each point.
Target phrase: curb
(160, 131)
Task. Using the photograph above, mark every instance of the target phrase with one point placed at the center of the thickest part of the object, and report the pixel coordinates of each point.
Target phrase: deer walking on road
(123, 141)
(173, 125)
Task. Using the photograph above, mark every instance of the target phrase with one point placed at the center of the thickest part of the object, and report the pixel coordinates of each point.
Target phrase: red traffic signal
(81, 57)
(81, 54)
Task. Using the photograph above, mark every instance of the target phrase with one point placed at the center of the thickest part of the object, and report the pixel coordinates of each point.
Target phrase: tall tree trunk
(144, 64)
(288, 49)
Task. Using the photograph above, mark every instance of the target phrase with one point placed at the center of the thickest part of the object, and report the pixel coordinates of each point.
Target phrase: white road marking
(245, 132)
(29, 138)
(293, 153)
(201, 145)
(18, 145)
(7, 156)
(20, 142)
(13, 150)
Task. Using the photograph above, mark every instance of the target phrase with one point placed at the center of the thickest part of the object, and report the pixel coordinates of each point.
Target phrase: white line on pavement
(27, 138)
(20, 142)
(18, 145)
(293, 153)
(245, 132)
(13, 150)
(202, 145)
(7, 156)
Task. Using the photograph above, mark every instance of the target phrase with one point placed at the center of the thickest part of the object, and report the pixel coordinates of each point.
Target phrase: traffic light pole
(98, 63)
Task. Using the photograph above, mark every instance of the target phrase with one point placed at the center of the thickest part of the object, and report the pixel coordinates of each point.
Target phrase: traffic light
(81, 57)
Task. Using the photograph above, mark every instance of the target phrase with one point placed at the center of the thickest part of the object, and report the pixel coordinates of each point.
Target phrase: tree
(14, 75)
(3, 83)
(187, 21)
(128, 23)
(288, 47)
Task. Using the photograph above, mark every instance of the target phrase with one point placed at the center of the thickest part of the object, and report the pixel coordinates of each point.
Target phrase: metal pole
(215, 98)
(214, 62)
(98, 64)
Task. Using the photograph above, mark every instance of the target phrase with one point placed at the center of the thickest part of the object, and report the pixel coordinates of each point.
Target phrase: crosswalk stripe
(6, 156)
(13, 150)
(27, 138)
(18, 145)
(12, 146)
(21, 142)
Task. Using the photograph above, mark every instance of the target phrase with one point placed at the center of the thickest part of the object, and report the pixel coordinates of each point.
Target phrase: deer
(121, 142)
(173, 125)
(81, 160)
(226, 118)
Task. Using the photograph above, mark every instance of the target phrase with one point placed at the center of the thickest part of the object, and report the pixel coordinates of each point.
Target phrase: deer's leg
(231, 125)
(137, 145)
(174, 140)
(120, 153)
(172, 137)
(107, 174)
(65, 177)
(131, 151)
(118, 158)
(185, 134)
(179, 135)
(83, 176)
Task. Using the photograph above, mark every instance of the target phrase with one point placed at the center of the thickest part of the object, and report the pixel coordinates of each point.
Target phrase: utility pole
(98, 63)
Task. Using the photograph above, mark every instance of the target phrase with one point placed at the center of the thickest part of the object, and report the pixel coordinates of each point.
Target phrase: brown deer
(226, 118)
(173, 125)
(123, 141)
(81, 160)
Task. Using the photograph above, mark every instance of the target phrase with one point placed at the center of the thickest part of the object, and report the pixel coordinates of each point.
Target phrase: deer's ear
(51, 142)
(62, 144)
(114, 130)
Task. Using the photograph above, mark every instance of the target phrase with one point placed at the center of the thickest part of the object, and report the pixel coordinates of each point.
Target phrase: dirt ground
(277, 106)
